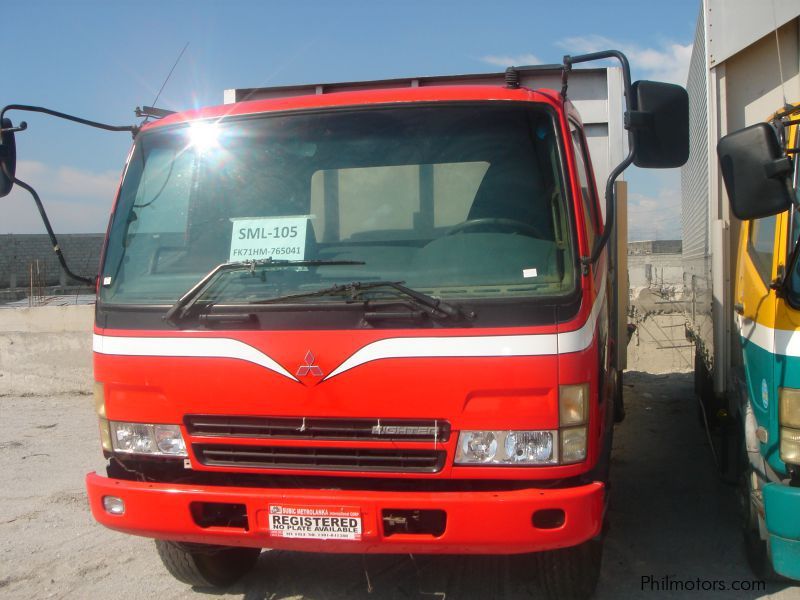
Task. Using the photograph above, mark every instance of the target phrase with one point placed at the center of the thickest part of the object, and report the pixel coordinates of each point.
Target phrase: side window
(795, 232)
(589, 214)
(761, 244)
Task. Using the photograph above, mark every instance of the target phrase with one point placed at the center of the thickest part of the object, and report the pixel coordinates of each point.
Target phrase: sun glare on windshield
(204, 137)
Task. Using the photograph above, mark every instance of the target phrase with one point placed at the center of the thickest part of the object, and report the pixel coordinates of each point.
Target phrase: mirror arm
(53, 240)
(54, 113)
(22, 127)
(610, 210)
(790, 268)
(632, 119)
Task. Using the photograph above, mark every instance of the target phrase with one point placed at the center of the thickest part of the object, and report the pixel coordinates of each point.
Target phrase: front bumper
(484, 522)
(782, 506)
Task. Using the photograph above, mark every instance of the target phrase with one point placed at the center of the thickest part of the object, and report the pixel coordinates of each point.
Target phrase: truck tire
(569, 573)
(206, 566)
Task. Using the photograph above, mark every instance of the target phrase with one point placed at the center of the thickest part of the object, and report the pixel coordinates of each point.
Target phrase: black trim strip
(505, 312)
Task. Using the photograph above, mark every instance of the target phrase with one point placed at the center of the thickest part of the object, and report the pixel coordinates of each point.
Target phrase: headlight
(143, 438)
(507, 447)
(529, 446)
(789, 407)
(790, 445)
(566, 445)
(478, 446)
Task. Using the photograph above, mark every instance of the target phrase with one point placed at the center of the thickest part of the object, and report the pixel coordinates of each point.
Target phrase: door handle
(739, 308)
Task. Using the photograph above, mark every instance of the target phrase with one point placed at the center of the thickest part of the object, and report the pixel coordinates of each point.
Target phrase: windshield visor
(459, 201)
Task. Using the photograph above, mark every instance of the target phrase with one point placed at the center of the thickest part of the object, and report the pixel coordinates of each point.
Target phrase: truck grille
(334, 459)
(417, 430)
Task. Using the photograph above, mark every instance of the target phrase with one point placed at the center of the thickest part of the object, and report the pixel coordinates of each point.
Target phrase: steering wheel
(496, 224)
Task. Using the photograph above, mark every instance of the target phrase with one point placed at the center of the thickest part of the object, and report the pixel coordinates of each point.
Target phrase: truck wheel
(206, 566)
(569, 572)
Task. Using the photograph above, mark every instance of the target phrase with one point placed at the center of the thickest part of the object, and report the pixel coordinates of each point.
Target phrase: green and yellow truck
(741, 282)
(761, 174)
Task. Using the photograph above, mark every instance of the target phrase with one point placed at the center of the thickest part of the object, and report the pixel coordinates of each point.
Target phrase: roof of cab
(445, 93)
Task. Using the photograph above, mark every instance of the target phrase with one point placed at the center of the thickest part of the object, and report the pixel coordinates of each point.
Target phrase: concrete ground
(671, 518)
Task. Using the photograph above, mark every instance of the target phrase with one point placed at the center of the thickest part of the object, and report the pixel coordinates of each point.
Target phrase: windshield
(458, 201)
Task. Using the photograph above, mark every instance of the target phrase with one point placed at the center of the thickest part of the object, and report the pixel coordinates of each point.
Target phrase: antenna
(163, 85)
(778, 48)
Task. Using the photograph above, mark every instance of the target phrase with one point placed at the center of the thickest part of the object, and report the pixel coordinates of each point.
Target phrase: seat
(514, 190)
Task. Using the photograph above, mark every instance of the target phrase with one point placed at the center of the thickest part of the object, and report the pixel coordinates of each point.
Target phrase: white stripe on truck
(405, 347)
(195, 347)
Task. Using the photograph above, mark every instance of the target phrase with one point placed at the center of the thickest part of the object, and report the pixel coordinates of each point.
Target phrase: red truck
(378, 320)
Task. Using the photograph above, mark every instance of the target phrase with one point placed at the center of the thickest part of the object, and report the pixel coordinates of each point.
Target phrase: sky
(100, 59)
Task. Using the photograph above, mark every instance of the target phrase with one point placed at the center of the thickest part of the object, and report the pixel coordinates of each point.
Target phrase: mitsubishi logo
(309, 368)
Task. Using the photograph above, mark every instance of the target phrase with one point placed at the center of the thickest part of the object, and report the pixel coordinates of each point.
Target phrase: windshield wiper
(184, 304)
(434, 307)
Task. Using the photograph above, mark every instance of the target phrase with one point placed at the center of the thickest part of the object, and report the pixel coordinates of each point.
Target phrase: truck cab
(288, 393)
(767, 307)
(378, 320)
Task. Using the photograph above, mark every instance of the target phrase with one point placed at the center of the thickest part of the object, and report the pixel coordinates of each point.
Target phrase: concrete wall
(655, 247)
(655, 263)
(655, 270)
(46, 351)
(18, 252)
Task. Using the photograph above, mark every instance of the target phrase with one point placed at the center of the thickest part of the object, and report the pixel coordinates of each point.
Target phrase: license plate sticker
(315, 522)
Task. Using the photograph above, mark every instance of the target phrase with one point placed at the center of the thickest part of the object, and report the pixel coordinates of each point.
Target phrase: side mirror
(8, 157)
(659, 121)
(756, 172)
